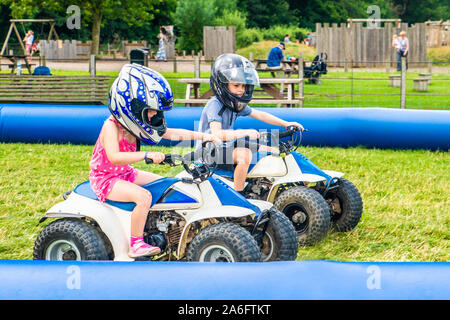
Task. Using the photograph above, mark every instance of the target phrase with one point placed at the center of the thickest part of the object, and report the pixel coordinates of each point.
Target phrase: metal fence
(424, 85)
(383, 86)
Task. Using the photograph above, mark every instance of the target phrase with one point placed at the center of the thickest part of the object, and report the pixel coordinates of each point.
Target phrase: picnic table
(287, 68)
(269, 93)
(14, 59)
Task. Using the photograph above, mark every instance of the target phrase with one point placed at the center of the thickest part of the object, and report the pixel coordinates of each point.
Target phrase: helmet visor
(246, 75)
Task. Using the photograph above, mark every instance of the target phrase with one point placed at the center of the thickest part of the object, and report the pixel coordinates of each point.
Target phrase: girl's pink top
(103, 173)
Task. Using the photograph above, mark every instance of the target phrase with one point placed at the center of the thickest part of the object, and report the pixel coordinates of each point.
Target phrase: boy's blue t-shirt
(211, 113)
(275, 57)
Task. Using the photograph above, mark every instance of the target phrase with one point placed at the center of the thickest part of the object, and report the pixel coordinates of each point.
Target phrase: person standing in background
(161, 54)
(402, 51)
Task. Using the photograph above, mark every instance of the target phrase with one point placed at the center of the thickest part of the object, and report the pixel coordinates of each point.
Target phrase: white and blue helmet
(137, 89)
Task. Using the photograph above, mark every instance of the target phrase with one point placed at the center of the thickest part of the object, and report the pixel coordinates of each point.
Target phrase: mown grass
(441, 54)
(406, 195)
(261, 49)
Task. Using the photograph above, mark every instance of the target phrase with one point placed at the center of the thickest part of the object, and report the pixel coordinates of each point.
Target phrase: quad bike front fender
(295, 174)
(114, 223)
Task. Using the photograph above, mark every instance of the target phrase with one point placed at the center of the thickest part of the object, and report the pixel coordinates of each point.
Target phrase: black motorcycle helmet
(230, 67)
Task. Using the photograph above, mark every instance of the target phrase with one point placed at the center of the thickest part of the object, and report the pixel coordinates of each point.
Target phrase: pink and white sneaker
(141, 249)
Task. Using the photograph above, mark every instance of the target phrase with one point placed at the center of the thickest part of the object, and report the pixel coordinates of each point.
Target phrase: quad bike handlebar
(285, 146)
(200, 159)
(203, 159)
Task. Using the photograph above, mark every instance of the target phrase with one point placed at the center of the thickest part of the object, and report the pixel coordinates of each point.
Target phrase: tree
(95, 11)
(313, 11)
(236, 19)
(267, 13)
(190, 18)
(412, 11)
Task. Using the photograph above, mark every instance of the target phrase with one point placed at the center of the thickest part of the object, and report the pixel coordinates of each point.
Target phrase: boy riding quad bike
(193, 218)
(314, 200)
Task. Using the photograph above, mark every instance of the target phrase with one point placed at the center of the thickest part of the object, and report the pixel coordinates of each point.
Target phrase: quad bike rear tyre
(223, 242)
(70, 239)
(308, 212)
(346, 207)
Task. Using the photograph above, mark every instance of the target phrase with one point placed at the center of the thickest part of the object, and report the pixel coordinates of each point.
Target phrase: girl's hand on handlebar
(156, 157)
(210, 137)
(252, 134)
(268, 149)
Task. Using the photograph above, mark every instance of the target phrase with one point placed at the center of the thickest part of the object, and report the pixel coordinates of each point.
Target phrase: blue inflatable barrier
(294, 280)
(343, 127)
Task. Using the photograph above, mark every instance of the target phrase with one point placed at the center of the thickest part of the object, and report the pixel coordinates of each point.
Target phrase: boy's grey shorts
(224, 156)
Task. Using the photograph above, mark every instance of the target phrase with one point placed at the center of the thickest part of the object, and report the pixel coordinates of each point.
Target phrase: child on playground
(233, 78)
(28, 39)
(138, 98)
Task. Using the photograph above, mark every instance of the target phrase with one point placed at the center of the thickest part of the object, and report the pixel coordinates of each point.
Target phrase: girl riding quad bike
(195, 218)
(120, 207)
(314, 200)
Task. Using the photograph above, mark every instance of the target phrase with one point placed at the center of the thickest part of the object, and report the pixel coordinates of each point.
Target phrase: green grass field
(338, 89)
(406, 195)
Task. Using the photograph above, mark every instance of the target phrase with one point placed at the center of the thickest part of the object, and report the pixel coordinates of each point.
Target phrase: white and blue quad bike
(313, 199)
(195, 218)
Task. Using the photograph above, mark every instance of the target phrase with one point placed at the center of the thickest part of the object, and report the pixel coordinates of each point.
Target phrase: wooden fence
(59, 49)
(438, 33)
(218, 40)
(363, 46)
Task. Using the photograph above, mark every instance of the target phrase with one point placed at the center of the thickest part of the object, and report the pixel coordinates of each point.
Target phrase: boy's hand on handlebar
(295, 124)
(157, 157)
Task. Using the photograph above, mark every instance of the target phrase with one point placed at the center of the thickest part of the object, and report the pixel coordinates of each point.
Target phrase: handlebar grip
(290, 131)
(148, 161)
(286, 133)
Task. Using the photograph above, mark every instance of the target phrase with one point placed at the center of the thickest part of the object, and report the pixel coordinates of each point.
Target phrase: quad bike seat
(157, 188)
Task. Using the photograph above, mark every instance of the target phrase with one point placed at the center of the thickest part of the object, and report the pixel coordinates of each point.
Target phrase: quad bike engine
(163, 229)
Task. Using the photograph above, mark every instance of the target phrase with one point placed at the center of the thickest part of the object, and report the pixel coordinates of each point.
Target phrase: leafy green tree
(162, 16)
(412, 11)
(236, 19)
(190, 18)
(312, 11)
(267, 13)
(94, 11)
(4, 19)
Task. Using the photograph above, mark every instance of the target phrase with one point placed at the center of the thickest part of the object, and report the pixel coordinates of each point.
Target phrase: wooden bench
(54, 89)
(287, 68)
(270, 94)
(13, 67)
(421, 84)
(395, 80)
(426, 76)
(14, 59)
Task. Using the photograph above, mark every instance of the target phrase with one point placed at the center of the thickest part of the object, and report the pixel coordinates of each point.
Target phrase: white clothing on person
(402, 43)
(30, 39)
(396, 44)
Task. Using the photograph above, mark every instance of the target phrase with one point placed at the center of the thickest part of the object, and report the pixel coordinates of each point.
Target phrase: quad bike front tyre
(279, 241)
(308, 212)
(223, 242)
(70, 239)
(346, 206)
